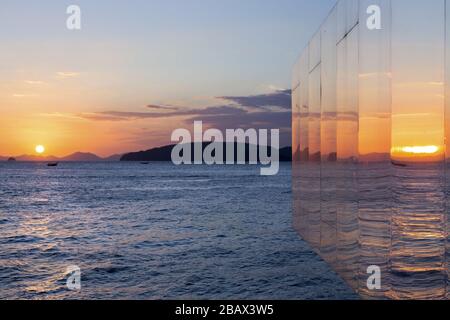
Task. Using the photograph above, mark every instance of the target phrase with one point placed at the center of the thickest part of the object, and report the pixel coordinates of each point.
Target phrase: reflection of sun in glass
(420, 149)
(40, 149)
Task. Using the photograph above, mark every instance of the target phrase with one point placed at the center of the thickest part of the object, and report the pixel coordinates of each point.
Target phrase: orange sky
(36, 115)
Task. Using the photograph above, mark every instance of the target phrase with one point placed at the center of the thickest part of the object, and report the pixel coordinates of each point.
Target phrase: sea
(155, 231)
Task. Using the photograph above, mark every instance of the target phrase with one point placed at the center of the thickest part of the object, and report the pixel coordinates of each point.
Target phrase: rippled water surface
(392, 217)
(154, 231)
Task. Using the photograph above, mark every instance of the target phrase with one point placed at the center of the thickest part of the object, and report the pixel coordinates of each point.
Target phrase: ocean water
(396, 218)
(155, 232)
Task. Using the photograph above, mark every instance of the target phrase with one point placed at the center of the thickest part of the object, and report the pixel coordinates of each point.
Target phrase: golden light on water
(40, 149)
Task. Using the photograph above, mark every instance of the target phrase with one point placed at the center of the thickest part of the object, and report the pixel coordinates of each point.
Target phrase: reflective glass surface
(371, 124)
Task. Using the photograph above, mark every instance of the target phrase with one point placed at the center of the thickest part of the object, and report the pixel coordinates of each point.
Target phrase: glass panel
(328, 68)
(295, 76)
(352, 14)
(348, 15)
(418, 232)
(304, 105)
(374, 121)
(347, 98)
(295, 126)
(341, 10)
(375, 170)
(314, 115)
(417, 97)
(313, 172)
(314, 52)
(347, 155)
(328, 139)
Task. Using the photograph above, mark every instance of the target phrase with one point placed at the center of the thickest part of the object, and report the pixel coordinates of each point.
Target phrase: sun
(40, 149)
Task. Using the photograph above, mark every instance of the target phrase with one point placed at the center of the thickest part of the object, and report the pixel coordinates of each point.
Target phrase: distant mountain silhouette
(74, 157)
(164, 153)
(81, 156)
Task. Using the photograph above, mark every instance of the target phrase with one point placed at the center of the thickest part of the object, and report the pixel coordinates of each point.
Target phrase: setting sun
(40, 149)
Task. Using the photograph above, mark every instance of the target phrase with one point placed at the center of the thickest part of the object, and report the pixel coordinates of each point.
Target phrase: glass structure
(371, 124)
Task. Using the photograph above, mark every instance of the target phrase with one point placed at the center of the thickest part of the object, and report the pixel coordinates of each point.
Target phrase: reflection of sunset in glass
(418, 153)
(380, 192)
(425, 153)
(420, 150)
(40, 149)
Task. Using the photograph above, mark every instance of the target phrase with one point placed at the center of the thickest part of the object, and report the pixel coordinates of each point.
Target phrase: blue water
(154, 232)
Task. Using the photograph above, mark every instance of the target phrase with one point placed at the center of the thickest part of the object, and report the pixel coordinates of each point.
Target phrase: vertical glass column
(304, 105)
(314, 167)
(328, 221)
(348, 17)
(347, 142)
(418, 224)
(375, 169)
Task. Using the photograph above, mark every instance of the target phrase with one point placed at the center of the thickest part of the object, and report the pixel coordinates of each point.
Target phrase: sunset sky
(137, 70)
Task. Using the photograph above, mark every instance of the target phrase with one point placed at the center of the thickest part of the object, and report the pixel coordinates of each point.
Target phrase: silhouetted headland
(164, 153)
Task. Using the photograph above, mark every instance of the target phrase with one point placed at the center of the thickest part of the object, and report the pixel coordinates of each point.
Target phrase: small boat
(52, 164)
(398, 164)
(145, 162)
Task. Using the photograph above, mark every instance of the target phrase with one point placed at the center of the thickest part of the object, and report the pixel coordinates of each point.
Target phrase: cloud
(265, 111)
(230, 115)
(257, 120)
(158, 107)
(102, 116)
(128, 116)
(278, 99)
